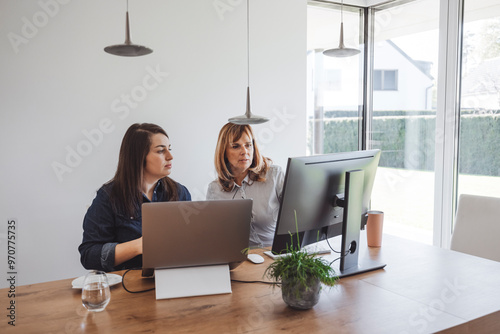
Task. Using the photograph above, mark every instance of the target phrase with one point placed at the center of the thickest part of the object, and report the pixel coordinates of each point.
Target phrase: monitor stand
(364, 265)
(350, 264)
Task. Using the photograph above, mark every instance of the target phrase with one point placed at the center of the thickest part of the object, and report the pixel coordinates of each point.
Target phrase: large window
(403, 110)
(404, 114)
(430, 144)
(479, 140)
(335, 85)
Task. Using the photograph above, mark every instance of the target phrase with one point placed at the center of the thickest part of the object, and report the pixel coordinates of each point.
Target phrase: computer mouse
(255, 258)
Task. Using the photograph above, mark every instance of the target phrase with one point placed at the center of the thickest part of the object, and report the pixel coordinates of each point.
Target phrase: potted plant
(300, 275)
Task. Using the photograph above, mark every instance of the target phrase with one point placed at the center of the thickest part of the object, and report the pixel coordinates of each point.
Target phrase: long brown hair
(126, 192)
(231, 133)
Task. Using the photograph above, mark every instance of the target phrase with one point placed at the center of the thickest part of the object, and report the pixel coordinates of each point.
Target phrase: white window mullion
(368, 89)
(448, 110)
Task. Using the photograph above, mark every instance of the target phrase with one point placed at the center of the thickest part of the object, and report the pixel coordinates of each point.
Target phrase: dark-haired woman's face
(159, 158)
(240, 154)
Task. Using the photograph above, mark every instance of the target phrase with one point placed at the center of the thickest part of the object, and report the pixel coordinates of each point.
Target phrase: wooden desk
(423, 289)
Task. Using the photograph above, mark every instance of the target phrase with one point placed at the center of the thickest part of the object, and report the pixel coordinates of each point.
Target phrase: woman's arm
(98, 243)
(105, 236)
(127, 250)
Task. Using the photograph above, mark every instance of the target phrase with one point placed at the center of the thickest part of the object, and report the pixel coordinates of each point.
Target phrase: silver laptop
(197, 233)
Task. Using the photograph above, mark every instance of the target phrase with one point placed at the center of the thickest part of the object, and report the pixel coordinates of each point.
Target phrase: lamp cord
(341, 11)
(248, 43)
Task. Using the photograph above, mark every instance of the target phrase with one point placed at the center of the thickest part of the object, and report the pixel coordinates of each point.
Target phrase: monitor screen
(314, 190)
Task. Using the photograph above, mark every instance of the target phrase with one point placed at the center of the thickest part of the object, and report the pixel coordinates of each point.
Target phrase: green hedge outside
(479, 145)
(408, 141)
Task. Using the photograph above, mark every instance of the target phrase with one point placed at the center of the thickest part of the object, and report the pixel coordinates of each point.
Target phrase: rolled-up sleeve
(108, 256)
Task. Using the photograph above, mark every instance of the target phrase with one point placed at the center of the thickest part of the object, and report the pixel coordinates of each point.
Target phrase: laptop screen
(197, 233)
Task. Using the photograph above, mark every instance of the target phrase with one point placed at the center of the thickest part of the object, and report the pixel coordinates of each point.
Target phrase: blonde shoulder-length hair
(231, 133)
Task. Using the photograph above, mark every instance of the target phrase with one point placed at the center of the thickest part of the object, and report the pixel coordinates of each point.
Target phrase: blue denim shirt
(103, 229)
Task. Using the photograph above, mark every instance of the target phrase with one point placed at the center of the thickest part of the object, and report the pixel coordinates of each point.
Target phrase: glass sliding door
(479, 137)
(405, 58)
(335, 85)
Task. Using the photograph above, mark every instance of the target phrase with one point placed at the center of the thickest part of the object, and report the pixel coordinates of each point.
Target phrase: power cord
(129, 291)
(331, 248)
(341, 256)
(338, 252)
(263, 282)
(141, 291)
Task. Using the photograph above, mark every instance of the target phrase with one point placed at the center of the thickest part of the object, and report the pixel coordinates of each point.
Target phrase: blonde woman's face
(240, 154)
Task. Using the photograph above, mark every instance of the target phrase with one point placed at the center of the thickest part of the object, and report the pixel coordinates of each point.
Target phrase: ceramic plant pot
(299, 297)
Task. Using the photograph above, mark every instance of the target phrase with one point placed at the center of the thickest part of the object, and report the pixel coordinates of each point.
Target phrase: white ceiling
(360, 3)
(424, 17)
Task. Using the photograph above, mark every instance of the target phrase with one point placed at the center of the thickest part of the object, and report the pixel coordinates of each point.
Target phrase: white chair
(477, 227)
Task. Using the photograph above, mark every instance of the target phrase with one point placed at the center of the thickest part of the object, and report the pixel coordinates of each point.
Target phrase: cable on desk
(263, 282)
(140, 291)
(338, 252)
(341, 256)
(129, 291)
(333, 250)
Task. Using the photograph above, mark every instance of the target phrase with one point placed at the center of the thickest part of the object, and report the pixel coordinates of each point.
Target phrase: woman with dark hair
(112, 227)
(244, 173)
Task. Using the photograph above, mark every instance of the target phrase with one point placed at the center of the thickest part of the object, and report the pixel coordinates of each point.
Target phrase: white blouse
(266, 198)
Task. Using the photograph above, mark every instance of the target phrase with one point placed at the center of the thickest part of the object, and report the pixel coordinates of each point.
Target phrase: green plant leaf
(298, 266)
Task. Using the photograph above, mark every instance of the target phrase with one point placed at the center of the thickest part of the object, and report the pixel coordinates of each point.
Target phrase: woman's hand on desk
(128, 250)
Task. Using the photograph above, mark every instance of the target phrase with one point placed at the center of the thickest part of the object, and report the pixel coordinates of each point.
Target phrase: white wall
(57, 83)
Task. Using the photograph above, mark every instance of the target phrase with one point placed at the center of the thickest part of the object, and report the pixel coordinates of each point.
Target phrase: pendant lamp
(248, 117)
(341, 51)
(127, 49)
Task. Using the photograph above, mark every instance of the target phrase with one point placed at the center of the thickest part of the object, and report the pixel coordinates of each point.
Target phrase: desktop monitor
(330, 195)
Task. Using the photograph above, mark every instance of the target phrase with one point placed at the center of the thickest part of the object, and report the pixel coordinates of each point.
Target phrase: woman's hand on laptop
(128, 250)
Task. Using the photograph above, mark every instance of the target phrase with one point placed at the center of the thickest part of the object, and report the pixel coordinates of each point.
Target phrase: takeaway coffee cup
(374, 226)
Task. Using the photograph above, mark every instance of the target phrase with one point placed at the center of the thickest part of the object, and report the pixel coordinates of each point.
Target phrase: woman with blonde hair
(244, 173)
